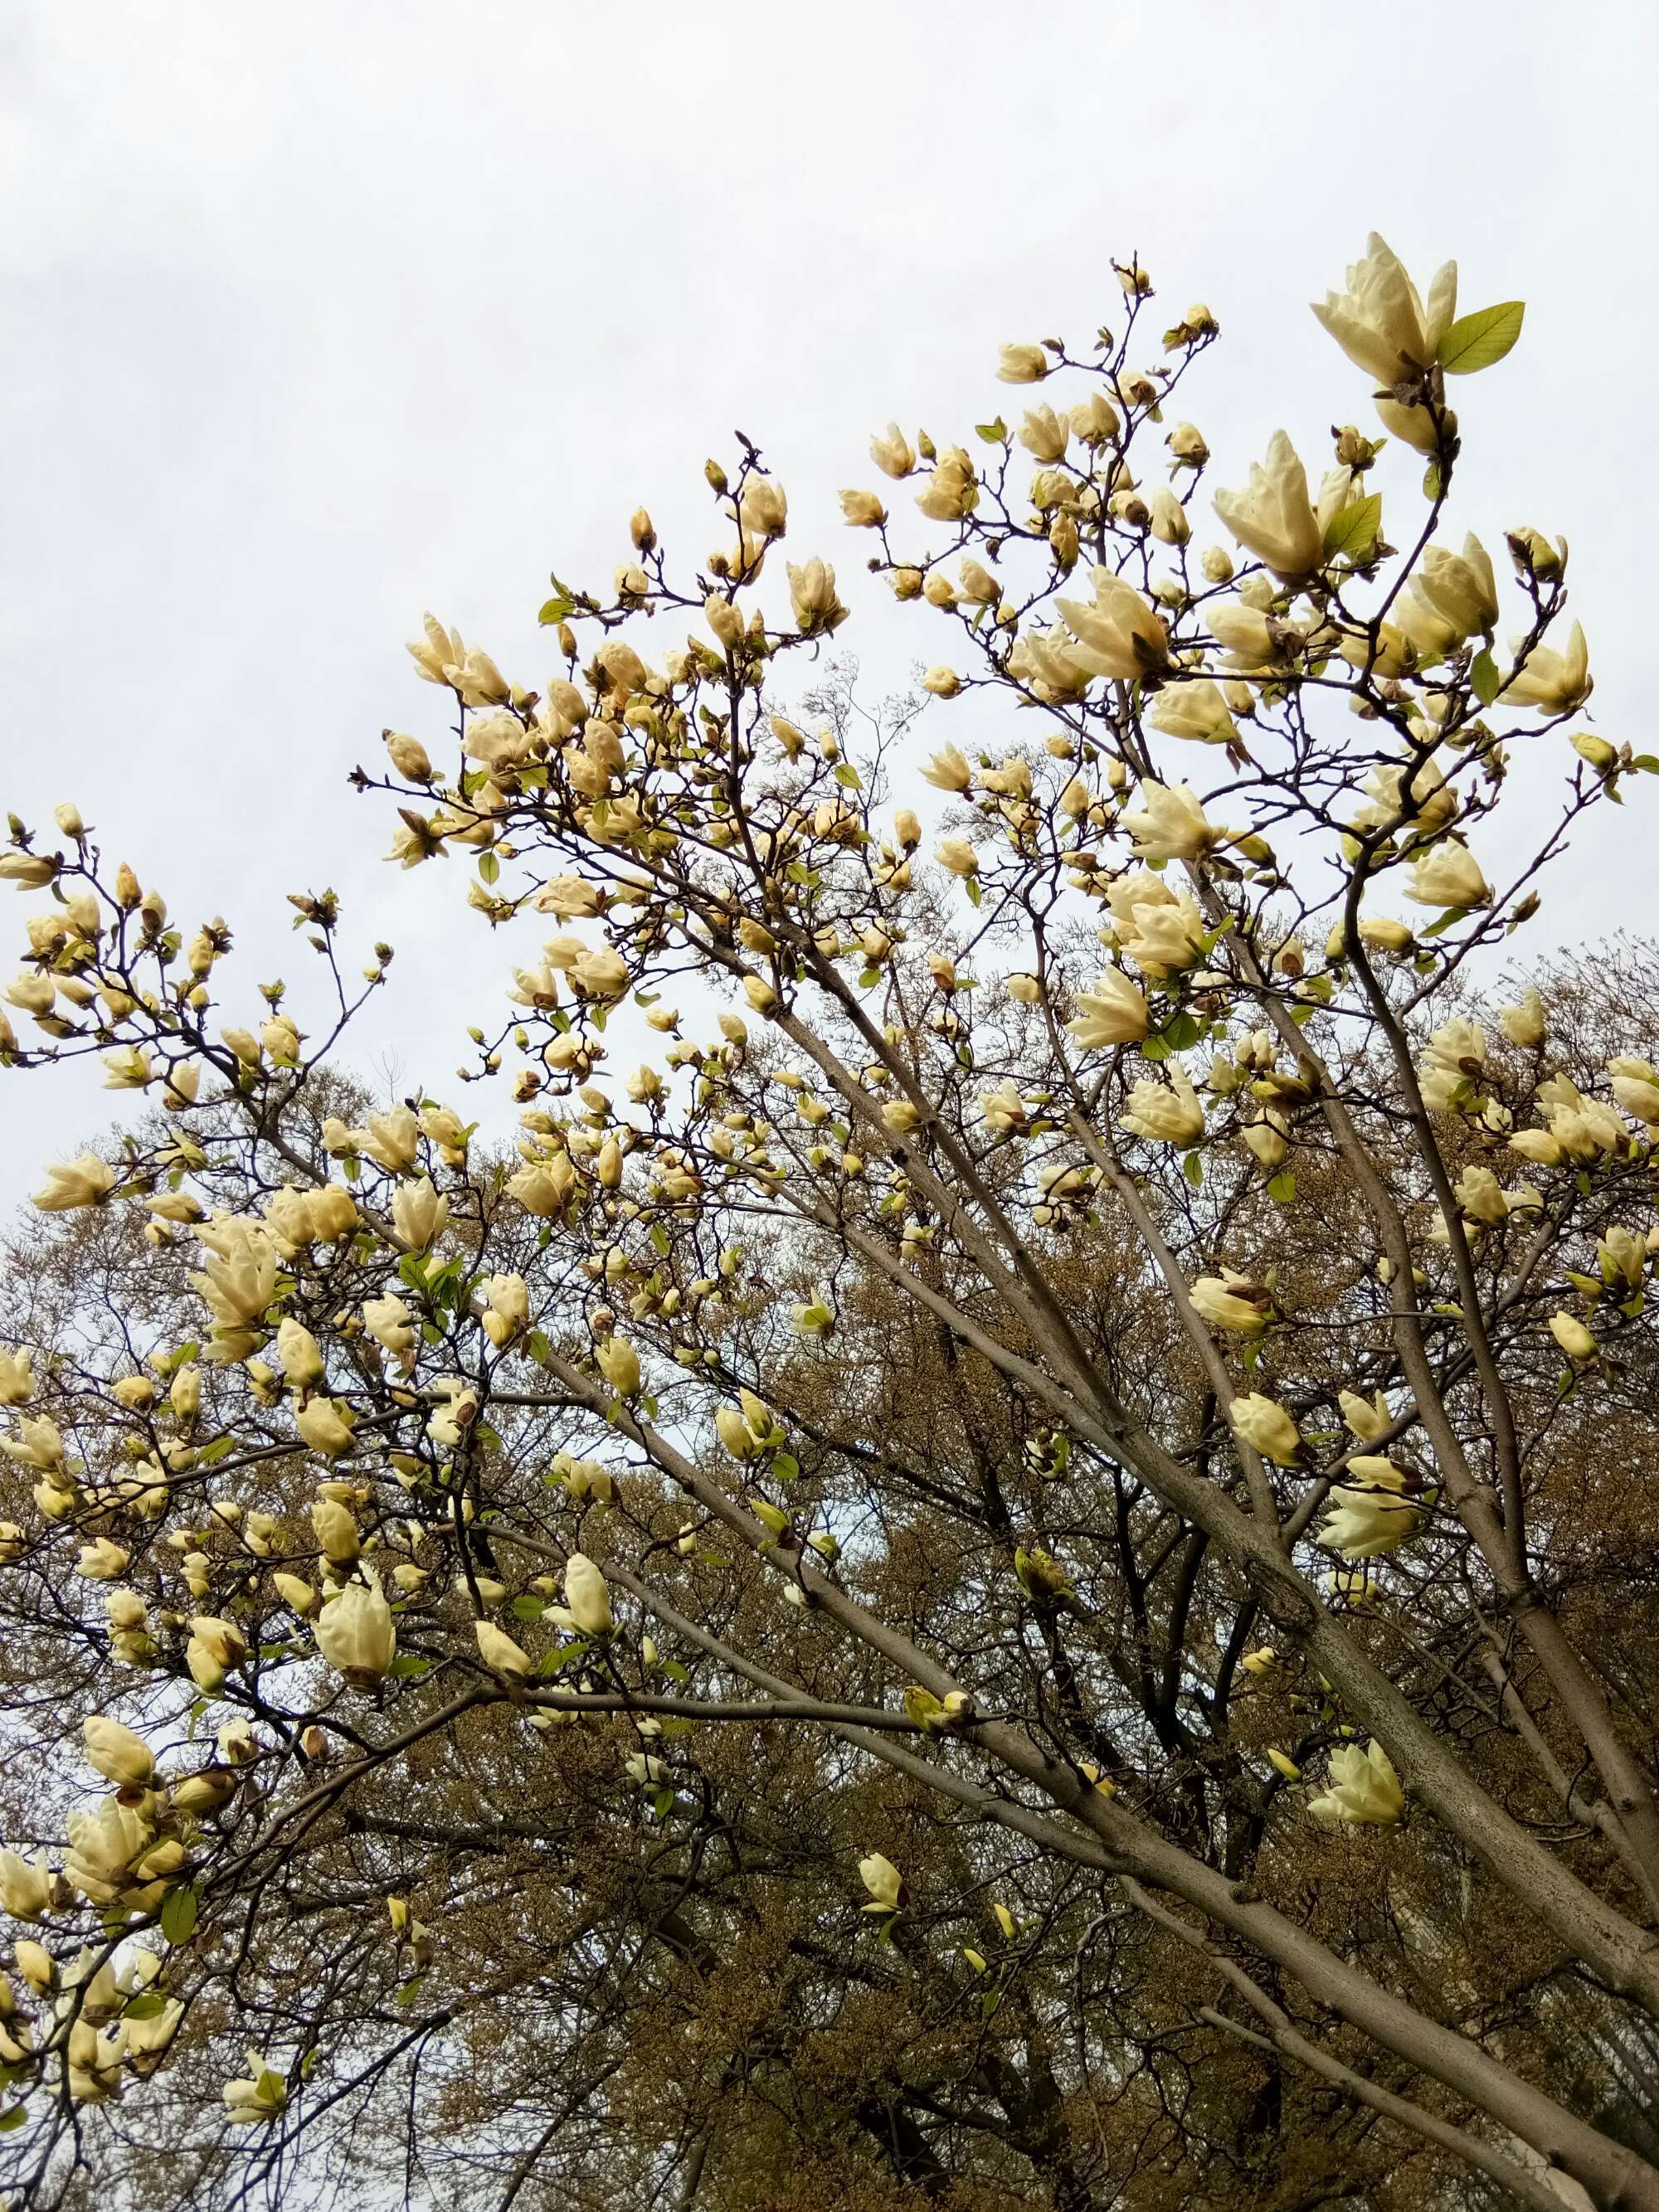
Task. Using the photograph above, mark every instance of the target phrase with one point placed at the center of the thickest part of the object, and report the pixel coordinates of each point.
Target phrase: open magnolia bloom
(973, 1291)
(1364, 1789)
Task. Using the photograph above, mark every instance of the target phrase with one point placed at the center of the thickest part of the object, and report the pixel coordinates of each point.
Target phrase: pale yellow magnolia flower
(1422, 627)
(601, 973)
(337, 1530)
(1415, 426)
(499, 1652)
(1268, 1141)
(1274, 517)
(948, 771)
(1449, 875)
(1169, 823)
(392, 1140)
(1112, 1012)
(17, 1378)
(1048, 661)
(544, 1187)
(1023, 364)
(1460, 586)
(1220, 1300)
(83, 1182)
(357, 1634)
(893, 455)
(1636, 1087)
(1381, 322)
(299, 1594)
(104, 1848)
(117, 1754)
(619, 1364)
(25, 1885)
(1118, 635)
(570, 897)
(103, 1560)
(1428, 803)
(129, 1069)
(1197, 710)
(1263, 1423)
(1171, 525)
(1249, 638)
(260, 2095)
(812, 597)
(1554, 683)
(1571, 1333)
(1161, 936)
(862, 510)
(883, 1882)
(419, 1215)
(1045, 435)
(1362, 1789)
(38, 1444)
(958, 855)
(586, 1596)
(324, 1424)
(299, 1354)
(1363, 1524)
(953, 490)
(1169, 1114)
(1367, 1419)
(1480, 1196)
(239, 1280)
(763, 510)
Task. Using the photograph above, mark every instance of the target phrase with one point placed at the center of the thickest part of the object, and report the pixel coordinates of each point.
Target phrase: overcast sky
(318, 315)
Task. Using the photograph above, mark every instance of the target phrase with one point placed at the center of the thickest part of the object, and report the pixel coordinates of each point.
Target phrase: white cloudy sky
(321, 314)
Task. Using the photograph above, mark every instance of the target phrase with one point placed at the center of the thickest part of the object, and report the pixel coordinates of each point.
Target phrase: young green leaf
(1477, 341)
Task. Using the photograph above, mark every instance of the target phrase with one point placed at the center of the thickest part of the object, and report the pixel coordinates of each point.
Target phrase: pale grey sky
(321, 314)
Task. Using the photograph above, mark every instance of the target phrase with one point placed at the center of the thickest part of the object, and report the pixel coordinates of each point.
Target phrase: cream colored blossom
(1274, 517)
(1112, 1012)
(1362, 1789)
(1381, 322)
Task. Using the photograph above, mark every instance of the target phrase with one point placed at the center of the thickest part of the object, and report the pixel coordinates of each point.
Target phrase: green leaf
(489, 867)
(410, 1989)
(1193, 1168)
(785, 1467)
(1353, 531)
(674, 1671)
(1477, 341)
(663, 1804)
(527, 1607)
(1181, 1034)
(555, 609)
(13, 2118)
(179, 1911)
(407, 1667)
(995, 434)
(1282, 1188)
(848, 776)
(1484, 678)
(150, 2006)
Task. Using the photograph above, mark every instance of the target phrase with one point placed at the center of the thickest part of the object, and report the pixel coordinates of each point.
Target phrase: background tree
(1015, 1573)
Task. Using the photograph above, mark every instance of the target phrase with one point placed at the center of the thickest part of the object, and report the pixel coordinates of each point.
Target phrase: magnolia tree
(1094, 1343)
